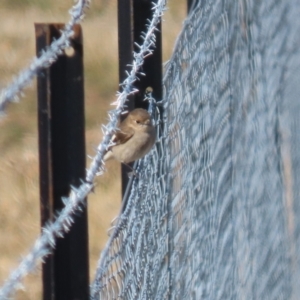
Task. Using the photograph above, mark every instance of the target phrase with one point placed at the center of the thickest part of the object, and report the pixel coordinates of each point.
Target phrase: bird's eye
(138, 121)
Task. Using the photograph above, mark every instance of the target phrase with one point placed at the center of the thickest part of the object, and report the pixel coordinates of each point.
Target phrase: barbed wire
(48, 57)
(63, 221)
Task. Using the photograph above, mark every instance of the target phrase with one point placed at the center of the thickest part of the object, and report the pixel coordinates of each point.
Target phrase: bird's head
(139, 118)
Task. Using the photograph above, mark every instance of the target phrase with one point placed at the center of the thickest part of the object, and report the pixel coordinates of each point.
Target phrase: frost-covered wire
(48, 56)
(62, 223)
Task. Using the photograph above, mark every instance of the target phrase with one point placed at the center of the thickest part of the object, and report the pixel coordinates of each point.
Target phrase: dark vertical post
(142, 14)
(125, 38)
(62, 163)
(191, 5)
(133, 16)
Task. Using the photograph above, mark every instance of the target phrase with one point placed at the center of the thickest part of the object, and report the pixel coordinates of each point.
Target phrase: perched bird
(134, 138)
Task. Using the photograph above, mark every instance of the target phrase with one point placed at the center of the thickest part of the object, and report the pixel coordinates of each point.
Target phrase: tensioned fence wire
(63, 220)
(214, 210)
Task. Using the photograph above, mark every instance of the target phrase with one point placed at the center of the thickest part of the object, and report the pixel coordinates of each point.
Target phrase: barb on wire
(11, 92)
(62, 223)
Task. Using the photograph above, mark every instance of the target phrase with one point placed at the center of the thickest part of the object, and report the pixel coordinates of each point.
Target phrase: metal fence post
(62, 162)
(132, 21)
(125, 39)
(191, 5)
(142, 14)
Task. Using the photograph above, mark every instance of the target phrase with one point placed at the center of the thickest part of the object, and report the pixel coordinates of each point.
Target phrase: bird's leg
(133, 172)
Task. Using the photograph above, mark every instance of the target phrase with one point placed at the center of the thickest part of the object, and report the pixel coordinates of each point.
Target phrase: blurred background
(19, 178)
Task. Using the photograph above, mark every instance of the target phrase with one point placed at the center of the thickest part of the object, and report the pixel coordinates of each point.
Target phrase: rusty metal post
(62, 163)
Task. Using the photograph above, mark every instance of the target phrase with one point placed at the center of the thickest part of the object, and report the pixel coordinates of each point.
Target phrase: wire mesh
(213, 211)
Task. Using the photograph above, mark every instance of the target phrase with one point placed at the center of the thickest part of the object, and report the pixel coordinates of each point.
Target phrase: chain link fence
(214, 211)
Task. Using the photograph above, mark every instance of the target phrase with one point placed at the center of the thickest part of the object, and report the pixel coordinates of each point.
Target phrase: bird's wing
(118, 138)
(121, 137)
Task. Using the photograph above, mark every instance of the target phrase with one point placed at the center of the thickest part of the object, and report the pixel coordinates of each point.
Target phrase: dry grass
(19, 200)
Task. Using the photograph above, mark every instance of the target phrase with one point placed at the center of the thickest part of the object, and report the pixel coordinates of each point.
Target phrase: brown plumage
(134, 139)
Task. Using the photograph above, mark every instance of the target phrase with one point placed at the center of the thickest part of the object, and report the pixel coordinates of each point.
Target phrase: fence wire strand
(48, 56)
(213, 212)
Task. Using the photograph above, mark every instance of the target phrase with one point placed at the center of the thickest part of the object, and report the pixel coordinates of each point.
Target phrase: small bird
(134, 138)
